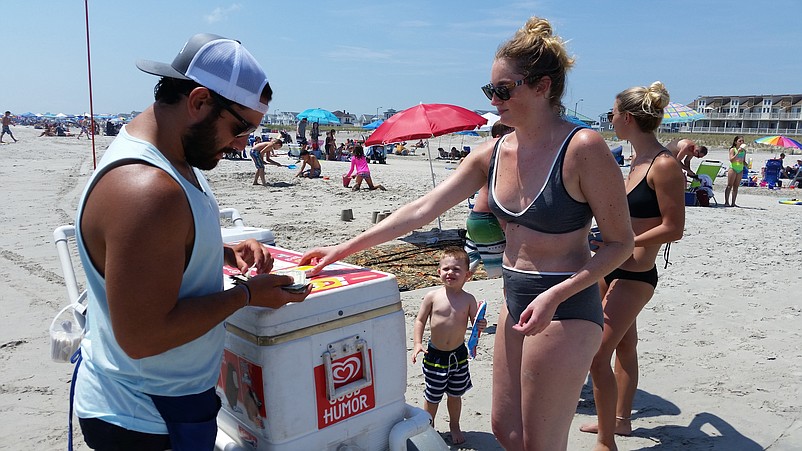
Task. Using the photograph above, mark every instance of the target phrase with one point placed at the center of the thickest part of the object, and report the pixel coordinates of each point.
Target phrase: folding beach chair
(710, 169)
(618, 154)
(748, 178)
(797, 178)
(771, 173)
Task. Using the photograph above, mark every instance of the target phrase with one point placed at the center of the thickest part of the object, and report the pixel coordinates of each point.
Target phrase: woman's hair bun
(538, 26)
(657, 96)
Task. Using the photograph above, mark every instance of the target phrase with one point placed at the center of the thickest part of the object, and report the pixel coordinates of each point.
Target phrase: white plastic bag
(65, 335)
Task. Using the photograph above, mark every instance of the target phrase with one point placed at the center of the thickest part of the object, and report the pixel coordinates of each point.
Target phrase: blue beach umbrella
(318, 115)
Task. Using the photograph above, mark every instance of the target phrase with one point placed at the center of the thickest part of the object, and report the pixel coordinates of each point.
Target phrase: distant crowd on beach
(56, 126)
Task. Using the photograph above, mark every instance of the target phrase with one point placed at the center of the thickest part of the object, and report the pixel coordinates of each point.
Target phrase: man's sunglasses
(247, 128)
(501, 91)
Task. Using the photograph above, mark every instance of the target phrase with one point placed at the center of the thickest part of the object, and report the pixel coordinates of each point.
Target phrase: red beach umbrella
(425, 121)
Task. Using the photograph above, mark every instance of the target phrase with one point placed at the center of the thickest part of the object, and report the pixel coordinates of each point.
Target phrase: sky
(368, 56)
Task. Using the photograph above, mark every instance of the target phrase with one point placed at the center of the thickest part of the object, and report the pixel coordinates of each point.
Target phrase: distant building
(345, 117)
(364, 119)
(740, 115)
(753, 114)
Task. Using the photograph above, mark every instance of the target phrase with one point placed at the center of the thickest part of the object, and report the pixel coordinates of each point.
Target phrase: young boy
(445, 362)
(314, 166)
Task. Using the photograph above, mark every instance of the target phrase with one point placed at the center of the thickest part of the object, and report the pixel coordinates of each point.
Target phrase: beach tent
(576, 121)
(491, 119)
(373, 125)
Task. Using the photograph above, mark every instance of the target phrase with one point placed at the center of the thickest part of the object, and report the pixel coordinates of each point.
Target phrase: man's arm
(686, 165)
(142, 246)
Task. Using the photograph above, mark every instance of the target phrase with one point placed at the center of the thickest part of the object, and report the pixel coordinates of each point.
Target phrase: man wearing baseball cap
(148, 233)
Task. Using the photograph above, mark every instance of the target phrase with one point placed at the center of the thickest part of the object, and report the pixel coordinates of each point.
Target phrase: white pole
(431, 169)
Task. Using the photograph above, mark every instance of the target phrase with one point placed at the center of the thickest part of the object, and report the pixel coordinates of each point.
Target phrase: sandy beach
(720, 342)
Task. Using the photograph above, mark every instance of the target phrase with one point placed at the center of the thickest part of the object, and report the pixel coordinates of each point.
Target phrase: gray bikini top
(553, 210)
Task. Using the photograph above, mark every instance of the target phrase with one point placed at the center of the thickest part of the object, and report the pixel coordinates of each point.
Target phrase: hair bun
(658, 95)
(538, 26)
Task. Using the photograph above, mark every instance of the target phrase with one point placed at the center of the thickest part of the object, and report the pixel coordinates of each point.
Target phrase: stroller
(376, 154)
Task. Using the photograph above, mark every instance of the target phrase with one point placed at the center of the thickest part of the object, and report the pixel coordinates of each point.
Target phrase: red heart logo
(343, 371)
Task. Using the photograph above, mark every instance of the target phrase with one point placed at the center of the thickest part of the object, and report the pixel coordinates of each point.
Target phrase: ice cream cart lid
(340, 291)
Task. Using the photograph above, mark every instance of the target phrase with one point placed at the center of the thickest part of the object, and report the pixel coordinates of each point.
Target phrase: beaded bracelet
(247, 293)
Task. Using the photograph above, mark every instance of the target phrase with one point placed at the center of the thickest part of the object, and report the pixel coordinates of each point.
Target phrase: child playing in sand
(445, 362)
(314, 166)
(359, 164)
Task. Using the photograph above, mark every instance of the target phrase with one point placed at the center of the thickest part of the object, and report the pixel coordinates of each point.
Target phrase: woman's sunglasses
(501, 91)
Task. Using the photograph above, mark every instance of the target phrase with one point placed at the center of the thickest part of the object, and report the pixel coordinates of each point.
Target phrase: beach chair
(797, 178)
(710, 168)
(618, 154)
(771, 174)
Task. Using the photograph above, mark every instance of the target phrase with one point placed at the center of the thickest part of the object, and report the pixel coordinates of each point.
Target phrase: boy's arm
(269, 161)
(420, 324)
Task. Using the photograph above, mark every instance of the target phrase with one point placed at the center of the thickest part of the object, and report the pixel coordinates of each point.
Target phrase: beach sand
(720, 354)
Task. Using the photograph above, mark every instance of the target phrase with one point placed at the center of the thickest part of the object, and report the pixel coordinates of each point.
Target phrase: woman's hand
(320, 257)
(537, 315)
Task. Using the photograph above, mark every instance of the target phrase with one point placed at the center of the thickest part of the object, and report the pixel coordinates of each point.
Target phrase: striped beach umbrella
(677, 113)
(781, 141)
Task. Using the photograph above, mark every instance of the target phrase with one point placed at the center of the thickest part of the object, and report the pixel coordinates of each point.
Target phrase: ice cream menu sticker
(334, 276)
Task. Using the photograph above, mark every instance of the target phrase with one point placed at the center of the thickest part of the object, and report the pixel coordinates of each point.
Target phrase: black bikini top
(642, 199)
(553, 210)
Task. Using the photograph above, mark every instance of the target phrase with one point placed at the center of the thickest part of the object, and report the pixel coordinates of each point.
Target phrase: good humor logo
(344, 371)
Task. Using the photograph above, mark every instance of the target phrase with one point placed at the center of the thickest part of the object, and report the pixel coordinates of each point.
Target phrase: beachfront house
(740, 115)
(753, 114)
(345, 117)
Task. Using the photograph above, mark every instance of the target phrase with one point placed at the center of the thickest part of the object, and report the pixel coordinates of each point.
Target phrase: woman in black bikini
(655, 194)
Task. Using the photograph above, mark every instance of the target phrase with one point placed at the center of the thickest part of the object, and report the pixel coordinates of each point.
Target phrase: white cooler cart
(328, 373)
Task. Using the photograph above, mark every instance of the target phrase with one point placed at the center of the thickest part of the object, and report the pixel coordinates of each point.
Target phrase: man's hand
(248, 253)
(266, 291)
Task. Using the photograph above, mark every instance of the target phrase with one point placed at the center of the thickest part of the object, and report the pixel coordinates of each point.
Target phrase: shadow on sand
(676, 437)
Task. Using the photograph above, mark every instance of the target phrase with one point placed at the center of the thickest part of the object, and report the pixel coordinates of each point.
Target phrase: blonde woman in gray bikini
(546, 179)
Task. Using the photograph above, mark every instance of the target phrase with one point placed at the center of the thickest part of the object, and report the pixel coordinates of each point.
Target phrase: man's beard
(199, 143)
